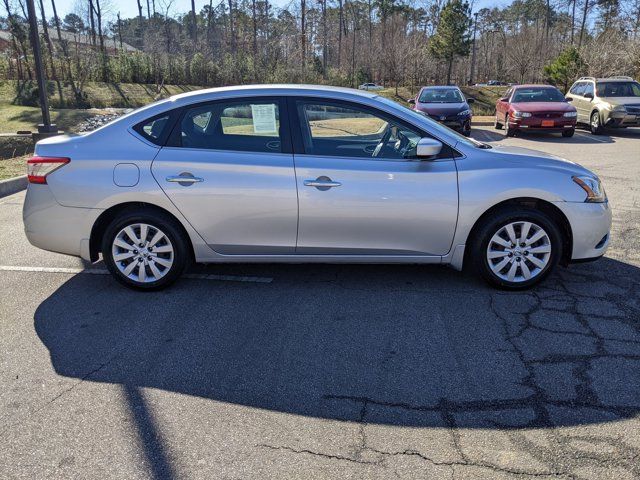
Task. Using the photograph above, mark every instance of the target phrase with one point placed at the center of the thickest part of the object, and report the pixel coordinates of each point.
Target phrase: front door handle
(185, 179)
(322, 183)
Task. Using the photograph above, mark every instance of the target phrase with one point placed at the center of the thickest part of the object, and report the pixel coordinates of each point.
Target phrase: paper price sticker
(264, 118)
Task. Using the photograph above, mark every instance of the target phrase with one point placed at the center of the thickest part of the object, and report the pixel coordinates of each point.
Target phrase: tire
(508, 131)
(491, 237)
(466, 129)
(496, 124)
(162, 265)
(595, 125)
(568, 133)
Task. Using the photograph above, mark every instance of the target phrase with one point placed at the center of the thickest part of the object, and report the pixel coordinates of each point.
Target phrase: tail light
(39, 167)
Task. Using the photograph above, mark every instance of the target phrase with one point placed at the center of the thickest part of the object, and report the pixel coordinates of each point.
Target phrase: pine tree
(452, 38)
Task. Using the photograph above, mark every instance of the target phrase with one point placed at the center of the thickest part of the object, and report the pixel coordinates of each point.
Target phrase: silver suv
(612, 102)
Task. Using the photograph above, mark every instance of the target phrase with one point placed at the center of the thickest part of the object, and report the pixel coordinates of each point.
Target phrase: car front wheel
(145, 250)
(595, 124)
(517, 248)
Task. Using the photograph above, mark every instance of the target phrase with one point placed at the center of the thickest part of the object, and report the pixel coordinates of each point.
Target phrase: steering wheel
(383, 141)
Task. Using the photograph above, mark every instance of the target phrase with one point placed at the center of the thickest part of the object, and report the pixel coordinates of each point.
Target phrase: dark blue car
(447, 105)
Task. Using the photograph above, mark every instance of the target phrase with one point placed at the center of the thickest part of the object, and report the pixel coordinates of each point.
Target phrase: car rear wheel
(145, 250)
(595, 124)
(496, 124)
(516, 248)
(568, 133)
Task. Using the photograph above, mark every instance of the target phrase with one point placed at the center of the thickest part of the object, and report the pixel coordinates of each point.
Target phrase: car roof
(533, 85)
(275, 89)
(451, 87)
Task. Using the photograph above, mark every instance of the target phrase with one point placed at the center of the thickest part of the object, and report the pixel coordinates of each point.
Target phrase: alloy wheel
(142, 252)
(519, 251)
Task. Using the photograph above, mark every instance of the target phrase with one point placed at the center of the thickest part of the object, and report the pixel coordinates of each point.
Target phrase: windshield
(434, 126)
(440, 95)
(618, 89)
(542, 94)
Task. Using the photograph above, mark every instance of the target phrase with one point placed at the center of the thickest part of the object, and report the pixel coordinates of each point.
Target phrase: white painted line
(11, 268)
(103, 271)
(592, 137)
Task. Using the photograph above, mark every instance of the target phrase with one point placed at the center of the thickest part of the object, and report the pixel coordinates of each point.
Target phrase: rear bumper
(50, 226)
(590, 227)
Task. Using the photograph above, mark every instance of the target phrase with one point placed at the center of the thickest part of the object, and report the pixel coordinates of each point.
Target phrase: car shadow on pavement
(396, 345)
(580, 137)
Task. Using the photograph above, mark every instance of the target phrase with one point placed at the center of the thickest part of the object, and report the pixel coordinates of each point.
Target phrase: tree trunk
(449, 70)
(584, 21)
(340, 31)
(47, 39)
(65, 51)
(194, 26)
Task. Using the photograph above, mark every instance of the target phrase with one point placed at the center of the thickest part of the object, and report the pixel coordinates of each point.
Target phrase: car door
(361, 191)
(577, 92)
(228, 167)
(502, 106)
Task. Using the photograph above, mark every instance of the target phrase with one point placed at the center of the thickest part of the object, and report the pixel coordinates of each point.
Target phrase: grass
(98, 94)
(16, 117)
(13, 167)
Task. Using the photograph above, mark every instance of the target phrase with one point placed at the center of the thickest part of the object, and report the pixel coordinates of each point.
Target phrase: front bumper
(618, 119)
(590, 227)
(558, 124)
(51, 226)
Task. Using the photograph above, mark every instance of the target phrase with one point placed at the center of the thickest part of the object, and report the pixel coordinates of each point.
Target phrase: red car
(539, 108)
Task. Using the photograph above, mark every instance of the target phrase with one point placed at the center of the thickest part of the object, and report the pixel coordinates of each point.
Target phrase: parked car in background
(447, 105)
(612, 102)
(370, 86)
(304, 174)
(535, 108)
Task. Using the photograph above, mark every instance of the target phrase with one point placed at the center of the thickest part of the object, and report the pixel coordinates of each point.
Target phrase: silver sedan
(306, 174)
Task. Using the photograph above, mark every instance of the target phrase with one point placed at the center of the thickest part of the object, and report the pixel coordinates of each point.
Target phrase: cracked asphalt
(329, 371)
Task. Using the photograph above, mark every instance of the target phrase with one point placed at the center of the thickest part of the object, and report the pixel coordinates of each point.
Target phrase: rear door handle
(322, 183)
(315, 183)
(185, 179)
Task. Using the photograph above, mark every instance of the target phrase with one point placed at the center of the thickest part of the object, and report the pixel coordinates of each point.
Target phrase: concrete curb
(481, 124)
(12, 185)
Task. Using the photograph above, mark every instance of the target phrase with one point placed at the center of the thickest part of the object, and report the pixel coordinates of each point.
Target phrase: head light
(571, 114)
(517, 114)
(593, 188)
(464, 113)
(619, 108)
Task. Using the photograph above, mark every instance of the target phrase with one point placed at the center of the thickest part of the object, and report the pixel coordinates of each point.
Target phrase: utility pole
(46, 127)
(473, 51)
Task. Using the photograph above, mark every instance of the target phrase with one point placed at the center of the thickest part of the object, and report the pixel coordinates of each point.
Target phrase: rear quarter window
(155, 129)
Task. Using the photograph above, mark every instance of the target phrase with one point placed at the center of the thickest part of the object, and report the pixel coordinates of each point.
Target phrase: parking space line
(103, 271)
(592, 137)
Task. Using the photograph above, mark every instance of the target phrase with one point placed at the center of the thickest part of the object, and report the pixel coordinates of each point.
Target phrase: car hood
(441, 108)
(544, 107)
(535, 158)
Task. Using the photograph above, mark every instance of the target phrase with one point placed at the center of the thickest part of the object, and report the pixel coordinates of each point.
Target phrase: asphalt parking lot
(328, 371)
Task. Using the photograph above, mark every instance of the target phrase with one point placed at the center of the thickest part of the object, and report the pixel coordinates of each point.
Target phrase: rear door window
(252, 125)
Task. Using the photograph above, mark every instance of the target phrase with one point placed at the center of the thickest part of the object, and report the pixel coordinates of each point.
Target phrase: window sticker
(264, 118)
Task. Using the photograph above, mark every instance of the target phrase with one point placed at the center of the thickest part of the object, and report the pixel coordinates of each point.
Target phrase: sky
(129, 8)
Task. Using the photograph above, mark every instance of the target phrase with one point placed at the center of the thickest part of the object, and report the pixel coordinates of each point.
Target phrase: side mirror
(569, 99)
(412, 101)
(428, 147)
(470, 101)
(588, 95)
(503, 99)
